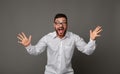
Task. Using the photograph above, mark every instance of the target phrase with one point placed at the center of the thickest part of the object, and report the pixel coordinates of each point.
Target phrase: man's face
(60, 25)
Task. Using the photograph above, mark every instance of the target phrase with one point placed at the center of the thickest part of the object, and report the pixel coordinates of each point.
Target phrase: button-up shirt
(60, 51)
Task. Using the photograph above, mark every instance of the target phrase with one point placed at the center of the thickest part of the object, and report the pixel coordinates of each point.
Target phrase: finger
(98, 35)
(20, 42)
(90, 31)
(24, 35)
(19, 38)
(98, 27)
(99, 31)
(30, 37)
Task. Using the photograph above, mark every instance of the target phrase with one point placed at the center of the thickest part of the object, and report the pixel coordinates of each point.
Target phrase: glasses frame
(60, 23)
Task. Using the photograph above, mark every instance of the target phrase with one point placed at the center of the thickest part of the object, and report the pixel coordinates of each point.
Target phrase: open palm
(95, 33)
(23, 39)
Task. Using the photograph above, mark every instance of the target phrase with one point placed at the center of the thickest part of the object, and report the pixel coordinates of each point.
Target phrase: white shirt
(60, 51)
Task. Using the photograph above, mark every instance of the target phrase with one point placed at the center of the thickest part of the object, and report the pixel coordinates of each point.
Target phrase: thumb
(90, 31)
(30, 37)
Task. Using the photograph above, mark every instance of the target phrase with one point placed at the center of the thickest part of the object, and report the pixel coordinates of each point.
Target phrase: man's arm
(26, 42)
(88, 48)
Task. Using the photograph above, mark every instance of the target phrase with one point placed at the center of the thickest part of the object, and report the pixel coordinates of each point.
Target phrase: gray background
(35, 17)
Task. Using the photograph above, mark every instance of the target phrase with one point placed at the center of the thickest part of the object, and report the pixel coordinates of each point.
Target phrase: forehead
(60, 19)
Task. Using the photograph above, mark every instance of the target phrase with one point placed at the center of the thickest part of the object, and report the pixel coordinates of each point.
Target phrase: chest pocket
(68, 45)
(53, 46)
(68, 50)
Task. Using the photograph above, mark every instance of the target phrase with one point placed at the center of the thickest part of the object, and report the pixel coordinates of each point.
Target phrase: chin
(62, 35)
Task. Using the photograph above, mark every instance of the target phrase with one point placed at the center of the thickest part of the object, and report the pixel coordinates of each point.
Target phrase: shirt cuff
(28, 47)
(92, 40)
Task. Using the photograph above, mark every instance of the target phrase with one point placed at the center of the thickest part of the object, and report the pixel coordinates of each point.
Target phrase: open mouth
(61, 30)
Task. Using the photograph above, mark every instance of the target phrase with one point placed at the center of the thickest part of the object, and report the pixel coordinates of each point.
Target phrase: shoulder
(47, 37)
(74, 36)
(50, 35)
(71, 34)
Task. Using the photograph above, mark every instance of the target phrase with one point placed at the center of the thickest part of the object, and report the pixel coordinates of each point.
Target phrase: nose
(61, 24)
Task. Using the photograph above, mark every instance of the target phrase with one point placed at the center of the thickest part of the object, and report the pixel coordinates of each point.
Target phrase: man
(60, 46)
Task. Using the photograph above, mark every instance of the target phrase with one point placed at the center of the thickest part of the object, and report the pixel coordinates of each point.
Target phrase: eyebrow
(62, 21)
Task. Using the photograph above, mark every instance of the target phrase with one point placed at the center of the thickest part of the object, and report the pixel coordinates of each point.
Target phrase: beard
(61, 31)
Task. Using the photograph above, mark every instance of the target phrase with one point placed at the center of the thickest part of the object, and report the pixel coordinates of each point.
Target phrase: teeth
(60, 29)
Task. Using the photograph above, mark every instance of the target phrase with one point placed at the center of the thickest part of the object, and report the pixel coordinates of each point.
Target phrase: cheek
(65, 27)
(55, 27)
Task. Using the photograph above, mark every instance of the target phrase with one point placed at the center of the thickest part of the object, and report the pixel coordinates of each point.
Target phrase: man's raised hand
(95, 32)
(22, 39)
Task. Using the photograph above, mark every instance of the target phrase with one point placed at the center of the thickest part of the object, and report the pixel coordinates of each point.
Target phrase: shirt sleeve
(38, 48)
(87, 48)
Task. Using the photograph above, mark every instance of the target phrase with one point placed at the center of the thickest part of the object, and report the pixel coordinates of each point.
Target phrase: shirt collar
(55, 34)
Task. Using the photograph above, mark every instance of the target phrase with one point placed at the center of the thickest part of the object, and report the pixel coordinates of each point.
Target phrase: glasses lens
(58, 23)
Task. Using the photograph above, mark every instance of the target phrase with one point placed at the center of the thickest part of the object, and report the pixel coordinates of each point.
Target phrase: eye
(56, 23)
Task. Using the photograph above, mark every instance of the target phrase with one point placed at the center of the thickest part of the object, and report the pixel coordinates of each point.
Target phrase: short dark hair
(59, 15)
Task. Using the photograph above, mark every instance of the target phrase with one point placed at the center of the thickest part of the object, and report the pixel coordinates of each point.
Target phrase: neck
(60, 36)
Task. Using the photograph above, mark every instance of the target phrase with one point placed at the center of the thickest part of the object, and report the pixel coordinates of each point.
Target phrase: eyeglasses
(62, 23)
